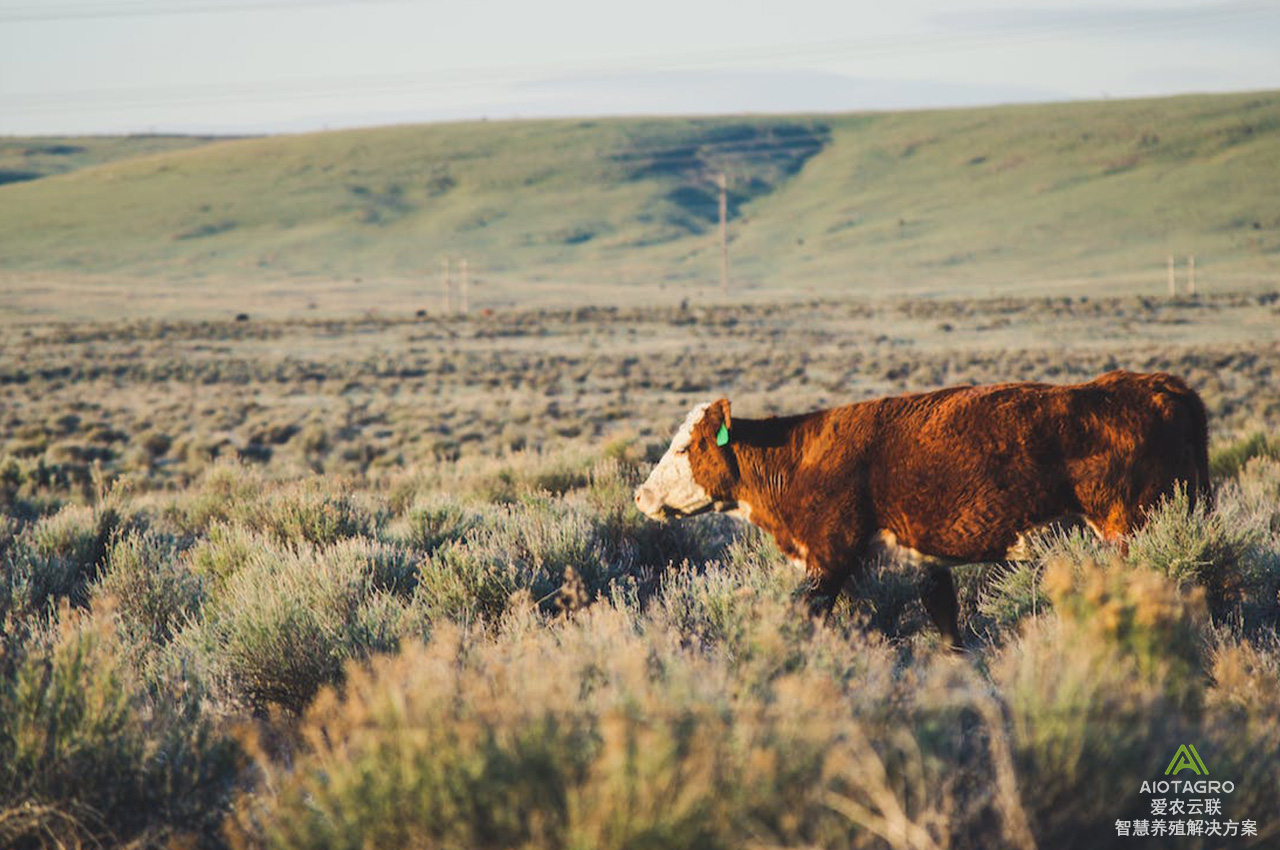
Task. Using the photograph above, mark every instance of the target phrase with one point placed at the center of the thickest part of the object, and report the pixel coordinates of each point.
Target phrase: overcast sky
(80, 66)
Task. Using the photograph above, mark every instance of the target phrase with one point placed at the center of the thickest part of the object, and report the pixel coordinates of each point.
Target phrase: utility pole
(462, 284)
(724, 234)
(1191, 274)
(1173, 284)
(446, 285)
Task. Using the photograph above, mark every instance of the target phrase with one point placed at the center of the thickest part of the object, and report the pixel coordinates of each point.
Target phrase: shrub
(1014, 592)
(585, 732)
(56, 558)
(435, 522)
(1210, 547)
(1124, 651)
(309, 512)
(885, 596)
(306, 511)
(86, 756)
(77, 536)
(1226, 461)
(220, 554)
(152, 590)
(719, 605)
(228, 491)
(529, 546)
(284, 623)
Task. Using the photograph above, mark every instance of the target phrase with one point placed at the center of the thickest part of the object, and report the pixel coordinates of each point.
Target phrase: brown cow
(957, 475)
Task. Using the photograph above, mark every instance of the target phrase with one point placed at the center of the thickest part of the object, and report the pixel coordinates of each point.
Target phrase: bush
(1226, 461)
(1208, 547)
(310, 513)
(54, 559)
(532, 545)
(432, 523)
(1014, 592)
(152, 590)
(574, 734)
(220, 555)
(86, 756)
(228, 491)
(285, 622)
(1124, 651)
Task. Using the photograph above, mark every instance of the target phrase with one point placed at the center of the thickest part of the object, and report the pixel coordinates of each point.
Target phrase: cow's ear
(717, 420)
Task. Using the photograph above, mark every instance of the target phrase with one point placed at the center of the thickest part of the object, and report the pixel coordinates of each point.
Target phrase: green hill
(1069, 197)
(23, 158)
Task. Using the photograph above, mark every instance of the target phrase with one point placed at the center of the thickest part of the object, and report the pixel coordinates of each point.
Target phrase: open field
(377, 580)
(1065, 199)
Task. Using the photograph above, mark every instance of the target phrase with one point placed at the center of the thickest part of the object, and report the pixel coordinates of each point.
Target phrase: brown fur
(958, 473)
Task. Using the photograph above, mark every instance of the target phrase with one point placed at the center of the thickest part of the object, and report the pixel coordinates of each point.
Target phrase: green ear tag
(722, 436)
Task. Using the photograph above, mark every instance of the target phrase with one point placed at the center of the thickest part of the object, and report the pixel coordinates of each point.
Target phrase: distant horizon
(232, 134)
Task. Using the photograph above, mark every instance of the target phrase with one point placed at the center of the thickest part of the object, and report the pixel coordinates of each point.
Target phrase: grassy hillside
(23, 159)
(1062, 197)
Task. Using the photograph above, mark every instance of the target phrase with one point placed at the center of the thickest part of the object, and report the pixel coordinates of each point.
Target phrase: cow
(958, 475)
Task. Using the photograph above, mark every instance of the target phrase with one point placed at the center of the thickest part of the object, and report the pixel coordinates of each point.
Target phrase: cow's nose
(644, 500)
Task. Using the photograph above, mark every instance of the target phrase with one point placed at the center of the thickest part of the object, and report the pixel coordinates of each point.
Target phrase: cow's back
(961, 473)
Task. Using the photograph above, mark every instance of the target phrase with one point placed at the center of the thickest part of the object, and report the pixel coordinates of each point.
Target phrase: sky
(261, 66)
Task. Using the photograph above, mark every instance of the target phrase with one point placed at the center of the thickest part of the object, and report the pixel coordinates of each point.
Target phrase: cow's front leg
(823, 593)
(825, 583)
(938, 593)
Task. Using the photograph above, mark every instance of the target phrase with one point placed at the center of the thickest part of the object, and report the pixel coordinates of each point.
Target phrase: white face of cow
(670, 490)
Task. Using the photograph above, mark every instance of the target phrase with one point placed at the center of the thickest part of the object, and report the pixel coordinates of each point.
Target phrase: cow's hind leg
(938, 593)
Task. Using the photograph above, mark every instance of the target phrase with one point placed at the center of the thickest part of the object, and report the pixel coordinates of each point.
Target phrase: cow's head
(698, 470)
